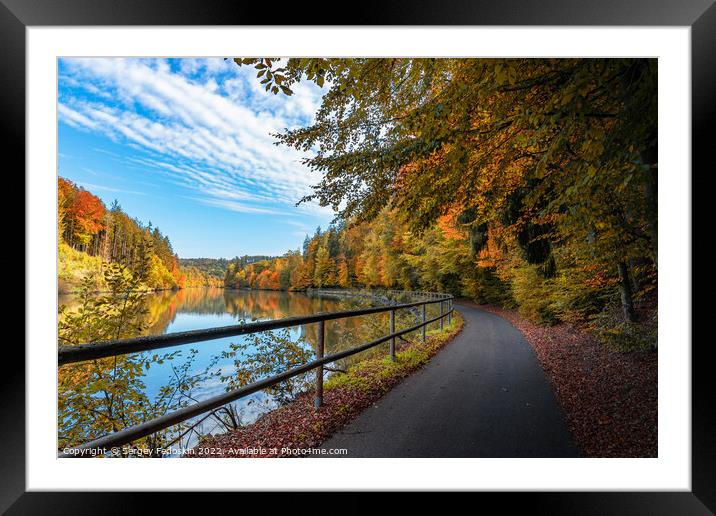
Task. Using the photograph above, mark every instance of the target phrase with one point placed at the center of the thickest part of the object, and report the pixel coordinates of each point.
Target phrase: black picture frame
(700, 15)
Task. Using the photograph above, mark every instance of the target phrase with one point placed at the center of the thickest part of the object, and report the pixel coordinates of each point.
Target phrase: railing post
(449, 312)
(318, 400)
(441, 314)
(424, 325)
(392, 330)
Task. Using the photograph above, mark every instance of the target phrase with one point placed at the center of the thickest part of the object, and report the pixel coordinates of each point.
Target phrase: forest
(527, 183)
(90, 235)
(214, 267)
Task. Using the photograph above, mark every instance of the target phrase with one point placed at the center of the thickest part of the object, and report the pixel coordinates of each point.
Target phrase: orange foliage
(178, 274)
(85, 210)
(448, 225)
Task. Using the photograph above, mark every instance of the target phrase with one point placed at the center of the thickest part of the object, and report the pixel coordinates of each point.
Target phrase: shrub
(624, 336)
(74, 266)
(484, 286)
(535, 296)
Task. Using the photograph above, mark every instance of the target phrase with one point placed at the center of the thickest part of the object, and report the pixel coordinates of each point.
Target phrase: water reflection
(222, 364)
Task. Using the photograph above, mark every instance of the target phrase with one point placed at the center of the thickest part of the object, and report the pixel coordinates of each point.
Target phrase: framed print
(422, 247)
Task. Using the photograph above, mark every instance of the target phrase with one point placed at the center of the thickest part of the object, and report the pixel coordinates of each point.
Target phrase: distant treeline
(216, 267)
(376, 254)
(213, 267)
(451, 256)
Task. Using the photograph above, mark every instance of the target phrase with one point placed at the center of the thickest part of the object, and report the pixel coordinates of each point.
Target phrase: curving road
(483, 395)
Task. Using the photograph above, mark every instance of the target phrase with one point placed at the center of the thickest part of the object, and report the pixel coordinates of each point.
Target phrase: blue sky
(187, 145)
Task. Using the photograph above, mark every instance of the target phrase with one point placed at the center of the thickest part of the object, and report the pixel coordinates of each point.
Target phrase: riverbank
(609, 398)
(299, 426)
(147, 291)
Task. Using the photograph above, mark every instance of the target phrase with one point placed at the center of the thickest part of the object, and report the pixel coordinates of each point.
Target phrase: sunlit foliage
(549, 166)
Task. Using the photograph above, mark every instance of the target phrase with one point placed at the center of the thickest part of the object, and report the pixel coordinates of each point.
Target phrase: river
(213, 368)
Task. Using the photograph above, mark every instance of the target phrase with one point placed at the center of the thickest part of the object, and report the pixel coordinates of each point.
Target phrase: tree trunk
(113, 250)
(650, 157)
(625, 291)
(105, 245)
(652, 193)
(636, 284)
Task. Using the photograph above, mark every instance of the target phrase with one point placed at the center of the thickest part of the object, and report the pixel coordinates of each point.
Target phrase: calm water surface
(198, 308)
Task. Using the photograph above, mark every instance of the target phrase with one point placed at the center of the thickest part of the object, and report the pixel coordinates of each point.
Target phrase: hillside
(90, 234)
(214, 267)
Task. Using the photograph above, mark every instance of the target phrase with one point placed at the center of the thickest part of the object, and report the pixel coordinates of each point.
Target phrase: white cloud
(204, 125)
(74, 118)
(92, 186)
(237, 206)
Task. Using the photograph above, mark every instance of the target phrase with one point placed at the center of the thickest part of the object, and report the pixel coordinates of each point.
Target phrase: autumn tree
(82, 213)
(325, 273)
(556, 152)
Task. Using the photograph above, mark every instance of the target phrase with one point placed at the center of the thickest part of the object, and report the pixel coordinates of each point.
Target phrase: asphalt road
(483, 395)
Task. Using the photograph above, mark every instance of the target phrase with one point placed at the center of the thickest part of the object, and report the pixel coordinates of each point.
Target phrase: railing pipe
(133, 433)
(318, 400)
(109, 348)
(425, 324)
(392, 330)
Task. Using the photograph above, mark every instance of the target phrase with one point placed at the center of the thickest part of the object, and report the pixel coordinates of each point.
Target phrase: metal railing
(95, 350)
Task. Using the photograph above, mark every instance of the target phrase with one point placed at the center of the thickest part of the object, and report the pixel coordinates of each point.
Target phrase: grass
(73, 266)
(410, 356)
